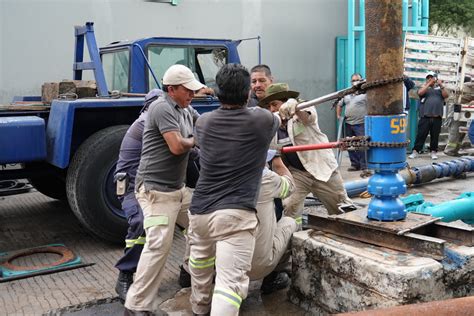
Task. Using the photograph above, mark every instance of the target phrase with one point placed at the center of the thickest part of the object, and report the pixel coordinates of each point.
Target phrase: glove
(288, 109)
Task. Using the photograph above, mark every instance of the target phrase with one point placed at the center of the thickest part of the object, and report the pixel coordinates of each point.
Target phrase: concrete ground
(31, 219)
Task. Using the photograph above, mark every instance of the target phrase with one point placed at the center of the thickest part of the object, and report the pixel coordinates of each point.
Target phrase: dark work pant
(431, 125)
(357, 157)
(135, 238)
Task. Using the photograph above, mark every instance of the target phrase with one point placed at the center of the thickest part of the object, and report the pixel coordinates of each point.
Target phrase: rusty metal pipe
(384, 55)
(459, 306)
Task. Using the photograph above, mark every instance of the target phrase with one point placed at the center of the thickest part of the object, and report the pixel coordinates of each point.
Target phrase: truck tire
(90, 188)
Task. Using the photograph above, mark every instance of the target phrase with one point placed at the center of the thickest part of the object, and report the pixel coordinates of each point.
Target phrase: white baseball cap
(181, 75)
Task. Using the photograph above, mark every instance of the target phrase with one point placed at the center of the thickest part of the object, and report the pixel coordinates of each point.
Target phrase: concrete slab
(334, 274)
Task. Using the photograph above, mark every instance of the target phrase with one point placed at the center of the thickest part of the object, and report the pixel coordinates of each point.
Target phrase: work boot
(124, 281)
(184, 278)
(274, 281)
(452, 153)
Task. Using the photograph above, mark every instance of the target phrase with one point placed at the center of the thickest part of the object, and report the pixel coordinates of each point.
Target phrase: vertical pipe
(350, 42)
(415, 22)
(405, 15)
(385, 122)
(362, 37)
(384, 55)
(425, 16)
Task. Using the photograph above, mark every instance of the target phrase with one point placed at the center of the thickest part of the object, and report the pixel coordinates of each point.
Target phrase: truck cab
(138, 66)
(68, 149)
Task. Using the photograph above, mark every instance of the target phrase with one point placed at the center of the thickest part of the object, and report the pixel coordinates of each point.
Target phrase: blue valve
(386, 185)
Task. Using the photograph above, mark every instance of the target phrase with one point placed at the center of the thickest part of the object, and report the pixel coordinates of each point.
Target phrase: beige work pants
(331, 193)
(272, 239)
(160, 211)
(226, 239)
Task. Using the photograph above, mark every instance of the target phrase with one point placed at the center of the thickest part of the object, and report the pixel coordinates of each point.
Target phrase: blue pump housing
(386, 185)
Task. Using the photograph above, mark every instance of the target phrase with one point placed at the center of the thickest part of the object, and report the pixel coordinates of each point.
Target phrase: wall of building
(298, 37)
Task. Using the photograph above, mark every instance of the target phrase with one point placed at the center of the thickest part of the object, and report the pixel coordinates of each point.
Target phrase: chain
(389, 145)
(378, 83)
(355, 143)
(363, 86)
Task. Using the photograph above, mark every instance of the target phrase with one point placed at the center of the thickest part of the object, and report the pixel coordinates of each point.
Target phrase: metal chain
(378, 83)
(355, 143)
(363, 86)
(389, 145)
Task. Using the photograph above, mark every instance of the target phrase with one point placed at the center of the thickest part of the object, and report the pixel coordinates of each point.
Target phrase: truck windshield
(203, 61)
(116, 69)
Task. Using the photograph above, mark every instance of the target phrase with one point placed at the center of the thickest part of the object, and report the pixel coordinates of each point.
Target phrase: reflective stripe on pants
(229, 236)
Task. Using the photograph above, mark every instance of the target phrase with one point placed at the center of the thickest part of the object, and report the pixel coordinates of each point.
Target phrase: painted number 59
(398, 125)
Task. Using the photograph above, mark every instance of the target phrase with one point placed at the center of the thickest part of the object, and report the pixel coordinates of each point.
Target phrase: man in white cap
(159, 185)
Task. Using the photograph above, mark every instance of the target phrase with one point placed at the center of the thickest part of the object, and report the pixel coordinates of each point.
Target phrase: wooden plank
(454, 50)
(441, 76)
(411, 222)
(432, 38)
(24, 107)
(430, 67)
(432, 57)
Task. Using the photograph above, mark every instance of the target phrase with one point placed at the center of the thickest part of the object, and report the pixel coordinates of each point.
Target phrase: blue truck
(68, 150)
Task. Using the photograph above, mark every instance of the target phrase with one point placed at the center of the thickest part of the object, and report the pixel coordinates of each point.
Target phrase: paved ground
(31, 219)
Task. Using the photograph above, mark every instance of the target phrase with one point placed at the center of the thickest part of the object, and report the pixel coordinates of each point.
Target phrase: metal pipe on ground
(420, 174)
(460, 208)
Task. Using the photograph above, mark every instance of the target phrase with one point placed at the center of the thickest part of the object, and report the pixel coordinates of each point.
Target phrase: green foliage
(452, 15)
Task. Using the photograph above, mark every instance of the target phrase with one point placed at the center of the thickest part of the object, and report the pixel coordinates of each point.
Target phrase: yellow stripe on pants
(229, 296)
(203, 263)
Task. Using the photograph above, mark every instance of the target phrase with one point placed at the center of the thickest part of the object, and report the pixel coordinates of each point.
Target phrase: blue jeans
(357, 157)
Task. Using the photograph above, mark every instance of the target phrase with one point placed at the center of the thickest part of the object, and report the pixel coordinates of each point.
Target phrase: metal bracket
(419, 234)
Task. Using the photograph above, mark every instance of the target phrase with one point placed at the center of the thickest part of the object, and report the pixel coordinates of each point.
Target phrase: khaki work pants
(272, 240)
(331, 193)
(160, 211)
(226, 239)
(455, 137)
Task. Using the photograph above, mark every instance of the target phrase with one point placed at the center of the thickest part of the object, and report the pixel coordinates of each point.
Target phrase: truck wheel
(90, 187)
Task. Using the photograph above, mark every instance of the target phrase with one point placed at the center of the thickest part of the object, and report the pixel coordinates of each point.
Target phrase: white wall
(298, 37)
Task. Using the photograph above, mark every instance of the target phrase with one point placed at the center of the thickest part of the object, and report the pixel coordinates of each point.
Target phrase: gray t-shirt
(432, 103)
(159, 169)
(234, 146)
(356, 108)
